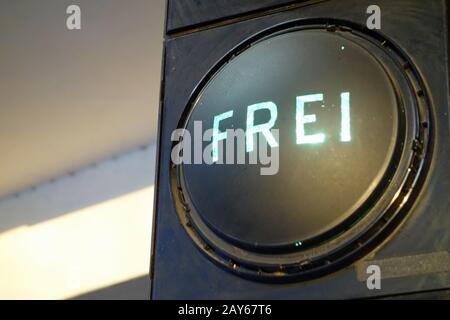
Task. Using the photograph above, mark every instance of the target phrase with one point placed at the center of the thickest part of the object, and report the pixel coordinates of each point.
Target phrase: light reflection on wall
(79, 252)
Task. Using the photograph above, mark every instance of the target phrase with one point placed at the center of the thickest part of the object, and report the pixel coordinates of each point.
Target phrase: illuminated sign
(301, 120)
(343, 113)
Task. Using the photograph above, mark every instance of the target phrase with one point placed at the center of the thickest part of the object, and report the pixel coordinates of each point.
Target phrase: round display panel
(303, 140)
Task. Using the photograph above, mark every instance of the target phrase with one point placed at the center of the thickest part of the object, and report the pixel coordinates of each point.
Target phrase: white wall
(68, 99)
(81, 233)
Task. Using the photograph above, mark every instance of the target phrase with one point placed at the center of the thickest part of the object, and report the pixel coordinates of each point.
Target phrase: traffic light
(336, 117)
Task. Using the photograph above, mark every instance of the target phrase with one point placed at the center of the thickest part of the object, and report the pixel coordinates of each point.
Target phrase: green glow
(302, 119)
(263, 128)
(298, 244)
(345, 117)
(217, 135)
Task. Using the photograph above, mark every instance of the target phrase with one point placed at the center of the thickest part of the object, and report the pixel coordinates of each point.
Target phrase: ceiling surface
(70, 98)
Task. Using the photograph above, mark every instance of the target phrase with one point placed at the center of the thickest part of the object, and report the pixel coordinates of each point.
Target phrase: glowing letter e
(217, 135)
(302, 119)
(263, 128)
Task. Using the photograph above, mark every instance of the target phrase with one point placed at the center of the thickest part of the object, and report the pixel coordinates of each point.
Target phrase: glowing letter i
(345, 117)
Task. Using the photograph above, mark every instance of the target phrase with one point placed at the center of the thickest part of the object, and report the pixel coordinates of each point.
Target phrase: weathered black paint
(185, 14)
(179, 268)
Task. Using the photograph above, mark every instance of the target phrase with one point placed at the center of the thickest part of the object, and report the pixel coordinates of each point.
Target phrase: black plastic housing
(413, 253)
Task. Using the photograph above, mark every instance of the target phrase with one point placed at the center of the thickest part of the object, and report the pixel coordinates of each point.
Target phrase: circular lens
(300, 145)
(336, 113)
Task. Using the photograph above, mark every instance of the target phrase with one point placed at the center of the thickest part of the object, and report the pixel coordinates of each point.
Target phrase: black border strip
(157, 165)
(182, 31)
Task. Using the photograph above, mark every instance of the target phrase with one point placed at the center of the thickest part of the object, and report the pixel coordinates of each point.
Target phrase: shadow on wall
(136, 289)
(69, 98)
(95, 184)
(81, 233)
